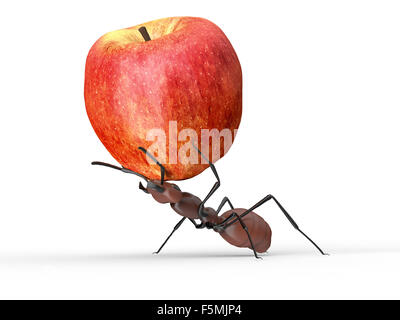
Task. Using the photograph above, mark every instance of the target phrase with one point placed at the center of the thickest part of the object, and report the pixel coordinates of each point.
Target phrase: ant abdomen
(258, 228)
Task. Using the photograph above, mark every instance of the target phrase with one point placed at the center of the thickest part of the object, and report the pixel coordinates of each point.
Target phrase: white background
(320, 131)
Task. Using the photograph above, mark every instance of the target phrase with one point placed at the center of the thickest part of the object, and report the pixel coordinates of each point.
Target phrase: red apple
(187, 75)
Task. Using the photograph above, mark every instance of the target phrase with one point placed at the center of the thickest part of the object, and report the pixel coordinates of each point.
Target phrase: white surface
(320, 131)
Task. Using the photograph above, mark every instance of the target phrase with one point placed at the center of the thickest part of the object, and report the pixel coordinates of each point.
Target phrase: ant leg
(225, 221)
(238, 218)
(234, 214)
(224, 200)
(162, 168)
(197, 225)
(215, 186)
(294, 224)
(209, 162)
(175, 228)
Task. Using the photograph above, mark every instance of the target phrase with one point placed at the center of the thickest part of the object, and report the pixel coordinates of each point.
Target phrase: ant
(239, 227)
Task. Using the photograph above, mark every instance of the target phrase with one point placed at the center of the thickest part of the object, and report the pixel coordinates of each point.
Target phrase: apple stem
(144, 33)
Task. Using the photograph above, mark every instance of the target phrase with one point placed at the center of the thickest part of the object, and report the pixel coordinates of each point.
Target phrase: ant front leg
(294, 224)
(162, 168)
(213, 189)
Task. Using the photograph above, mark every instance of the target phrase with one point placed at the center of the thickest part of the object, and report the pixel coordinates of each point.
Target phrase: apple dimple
(156, 29)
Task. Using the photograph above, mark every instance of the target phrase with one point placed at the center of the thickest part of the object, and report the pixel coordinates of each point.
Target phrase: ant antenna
(119, 168)
(156, 161)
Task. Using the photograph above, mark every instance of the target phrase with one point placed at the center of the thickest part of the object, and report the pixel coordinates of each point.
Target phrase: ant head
(163, 193)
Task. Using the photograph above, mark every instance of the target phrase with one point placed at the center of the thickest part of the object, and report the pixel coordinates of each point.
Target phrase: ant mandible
(240, 227)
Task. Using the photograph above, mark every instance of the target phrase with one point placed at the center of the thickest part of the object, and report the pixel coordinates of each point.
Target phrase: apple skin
(188, 73)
